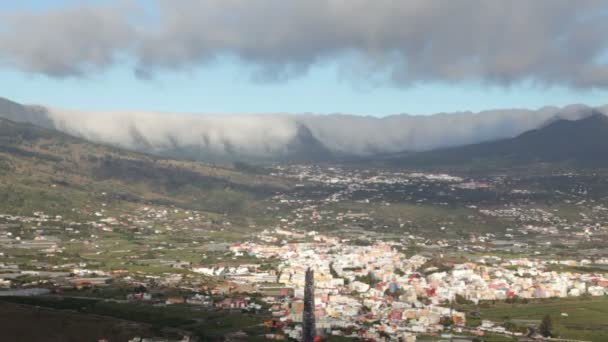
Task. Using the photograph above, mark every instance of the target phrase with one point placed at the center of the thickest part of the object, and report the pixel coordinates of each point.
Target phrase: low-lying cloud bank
(272, 136)
(238, 135)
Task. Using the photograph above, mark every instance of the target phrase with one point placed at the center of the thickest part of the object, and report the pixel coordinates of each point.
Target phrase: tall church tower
(308, 319)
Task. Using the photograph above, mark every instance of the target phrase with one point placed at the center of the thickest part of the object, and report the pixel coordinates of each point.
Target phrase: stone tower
(308, 319)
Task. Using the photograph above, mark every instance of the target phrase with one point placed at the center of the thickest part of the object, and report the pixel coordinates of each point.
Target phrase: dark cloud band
(553, 42)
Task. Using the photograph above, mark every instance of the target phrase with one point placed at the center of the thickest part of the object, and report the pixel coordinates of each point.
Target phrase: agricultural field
(582, 318)
(141, 320)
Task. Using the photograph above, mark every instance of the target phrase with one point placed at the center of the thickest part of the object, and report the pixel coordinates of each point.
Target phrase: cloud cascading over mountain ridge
(281, 136)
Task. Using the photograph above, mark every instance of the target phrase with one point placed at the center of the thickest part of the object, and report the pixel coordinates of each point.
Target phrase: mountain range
(509, 135)
(582, 142)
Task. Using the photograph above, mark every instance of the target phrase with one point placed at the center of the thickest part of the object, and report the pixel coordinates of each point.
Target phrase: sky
(363, 57)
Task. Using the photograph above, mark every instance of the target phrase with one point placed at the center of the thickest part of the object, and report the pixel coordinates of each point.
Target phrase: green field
(206, 324)
(587, 317)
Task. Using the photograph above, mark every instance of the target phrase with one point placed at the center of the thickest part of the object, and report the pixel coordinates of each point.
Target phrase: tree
(333, 271)
(460, 299)
(446, 321)
(510, 326)
(368, 279)
(546, 326)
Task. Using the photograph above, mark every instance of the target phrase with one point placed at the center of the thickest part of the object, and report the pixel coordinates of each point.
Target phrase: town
(395, 256)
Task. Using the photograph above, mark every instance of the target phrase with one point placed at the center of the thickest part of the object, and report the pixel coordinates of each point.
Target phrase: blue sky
(226, 86)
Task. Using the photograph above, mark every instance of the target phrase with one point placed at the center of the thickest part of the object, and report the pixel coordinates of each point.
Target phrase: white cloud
(268, 136)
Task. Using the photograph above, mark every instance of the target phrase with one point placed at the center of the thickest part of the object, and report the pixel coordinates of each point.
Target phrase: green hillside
(580, 143)
(42, 169)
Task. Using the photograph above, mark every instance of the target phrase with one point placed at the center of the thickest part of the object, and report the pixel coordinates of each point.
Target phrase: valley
(81, 220)
(303, 171)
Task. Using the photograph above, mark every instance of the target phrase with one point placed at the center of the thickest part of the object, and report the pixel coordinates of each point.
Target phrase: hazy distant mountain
(287, 137)
(306, 147)
(581, 142)
(19, 113)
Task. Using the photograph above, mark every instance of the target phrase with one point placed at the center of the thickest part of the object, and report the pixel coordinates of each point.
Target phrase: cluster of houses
(366, 291)
(340, 175)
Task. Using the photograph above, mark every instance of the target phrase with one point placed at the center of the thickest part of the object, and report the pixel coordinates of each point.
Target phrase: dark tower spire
(308, 319)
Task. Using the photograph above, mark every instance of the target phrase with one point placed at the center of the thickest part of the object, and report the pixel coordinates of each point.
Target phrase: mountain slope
(19, 113)
(282, 137)
(305, 147)
(582, 142)
(41, 167)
